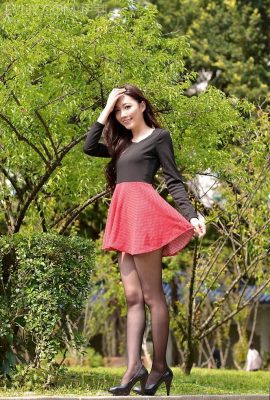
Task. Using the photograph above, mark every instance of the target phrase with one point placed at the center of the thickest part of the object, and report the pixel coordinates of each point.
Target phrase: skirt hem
(184, 244)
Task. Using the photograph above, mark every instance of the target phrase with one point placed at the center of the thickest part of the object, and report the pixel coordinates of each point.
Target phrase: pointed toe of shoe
(112, 390)
(118, 391)
(137, 390)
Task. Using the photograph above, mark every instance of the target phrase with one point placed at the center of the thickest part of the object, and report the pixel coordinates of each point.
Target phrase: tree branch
(43, 179)
(79, 209)
(44, 124)
(233, 313)
(56, 100)
(227, 262)
(23, 138)
(228, 291)
(42, 216)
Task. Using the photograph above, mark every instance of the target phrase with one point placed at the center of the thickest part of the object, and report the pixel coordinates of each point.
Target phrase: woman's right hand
(113, 97)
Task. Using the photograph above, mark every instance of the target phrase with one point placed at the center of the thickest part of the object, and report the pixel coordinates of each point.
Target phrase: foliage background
(59, 61)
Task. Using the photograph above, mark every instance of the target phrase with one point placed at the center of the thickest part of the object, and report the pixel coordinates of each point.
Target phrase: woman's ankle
(160, 367)
(134, 367)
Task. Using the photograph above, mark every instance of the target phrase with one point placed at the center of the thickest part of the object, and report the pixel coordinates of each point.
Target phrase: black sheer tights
(141, 275)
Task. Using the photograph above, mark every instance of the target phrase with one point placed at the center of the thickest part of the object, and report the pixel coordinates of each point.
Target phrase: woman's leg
(149, 268)
(135, 313)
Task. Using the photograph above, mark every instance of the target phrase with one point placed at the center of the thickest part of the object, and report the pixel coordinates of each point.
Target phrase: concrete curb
(182, 397)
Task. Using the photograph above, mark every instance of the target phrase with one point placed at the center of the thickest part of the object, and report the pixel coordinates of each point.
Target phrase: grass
(85, 381)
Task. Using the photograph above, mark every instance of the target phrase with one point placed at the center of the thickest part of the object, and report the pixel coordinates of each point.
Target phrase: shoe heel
(168, 383)
(143, 381)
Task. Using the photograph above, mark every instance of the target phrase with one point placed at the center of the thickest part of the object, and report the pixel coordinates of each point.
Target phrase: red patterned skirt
(139, 220)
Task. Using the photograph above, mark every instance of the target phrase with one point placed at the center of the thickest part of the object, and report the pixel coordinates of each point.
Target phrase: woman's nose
(123, 114)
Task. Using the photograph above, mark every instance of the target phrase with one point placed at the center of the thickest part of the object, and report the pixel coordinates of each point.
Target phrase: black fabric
(140, 161)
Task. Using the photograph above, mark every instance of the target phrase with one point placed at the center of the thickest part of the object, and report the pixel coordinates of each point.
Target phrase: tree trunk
(189, 346)
(188, 358)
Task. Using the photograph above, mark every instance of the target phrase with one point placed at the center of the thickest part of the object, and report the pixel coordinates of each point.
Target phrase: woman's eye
(125, 107)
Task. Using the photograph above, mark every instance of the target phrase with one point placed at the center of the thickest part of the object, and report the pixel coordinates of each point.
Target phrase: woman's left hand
(199, 226)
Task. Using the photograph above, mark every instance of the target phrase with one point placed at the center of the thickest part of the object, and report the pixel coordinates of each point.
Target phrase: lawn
(85, 381)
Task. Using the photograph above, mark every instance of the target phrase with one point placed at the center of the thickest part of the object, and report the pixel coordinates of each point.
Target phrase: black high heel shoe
(124, 390)
(150, 390)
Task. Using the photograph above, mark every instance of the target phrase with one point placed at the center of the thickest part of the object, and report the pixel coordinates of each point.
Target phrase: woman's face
(128, 111)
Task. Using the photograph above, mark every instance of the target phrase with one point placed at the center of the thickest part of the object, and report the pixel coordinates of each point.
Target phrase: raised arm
(92, 147)
(174, 180)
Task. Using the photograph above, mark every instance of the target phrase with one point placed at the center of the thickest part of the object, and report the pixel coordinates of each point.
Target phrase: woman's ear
(143, 105)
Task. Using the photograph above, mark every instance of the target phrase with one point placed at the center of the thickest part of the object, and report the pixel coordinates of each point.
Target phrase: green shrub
(45, 279)
(93, 359)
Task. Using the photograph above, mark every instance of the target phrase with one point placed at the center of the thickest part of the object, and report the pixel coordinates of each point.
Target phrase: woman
(254, 360)
(141, 226)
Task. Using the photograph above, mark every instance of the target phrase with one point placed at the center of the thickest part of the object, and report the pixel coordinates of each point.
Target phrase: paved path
(182, 397)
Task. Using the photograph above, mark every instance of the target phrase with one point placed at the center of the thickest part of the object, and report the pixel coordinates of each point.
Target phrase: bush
(45, 279)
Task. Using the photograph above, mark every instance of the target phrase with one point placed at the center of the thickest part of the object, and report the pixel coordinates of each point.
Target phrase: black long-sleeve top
(140, 161)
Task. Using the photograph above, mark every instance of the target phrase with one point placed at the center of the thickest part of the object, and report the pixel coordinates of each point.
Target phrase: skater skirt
(139, 220)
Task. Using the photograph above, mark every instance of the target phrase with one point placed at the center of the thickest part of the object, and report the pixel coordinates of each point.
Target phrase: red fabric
(139, 220)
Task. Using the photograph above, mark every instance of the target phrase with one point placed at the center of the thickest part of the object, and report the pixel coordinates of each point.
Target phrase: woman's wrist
(104, 115)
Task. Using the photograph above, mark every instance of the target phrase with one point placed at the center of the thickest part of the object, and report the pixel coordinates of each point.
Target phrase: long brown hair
(117, 137)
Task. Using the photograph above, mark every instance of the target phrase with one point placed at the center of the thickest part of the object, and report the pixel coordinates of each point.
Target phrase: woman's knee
(151, 298)
(134, 298)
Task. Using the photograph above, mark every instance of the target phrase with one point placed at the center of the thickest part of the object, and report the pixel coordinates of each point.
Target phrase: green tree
(55, 78)
(230, 38)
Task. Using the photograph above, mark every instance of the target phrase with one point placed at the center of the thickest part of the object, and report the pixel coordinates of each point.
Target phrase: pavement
(182, 397)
